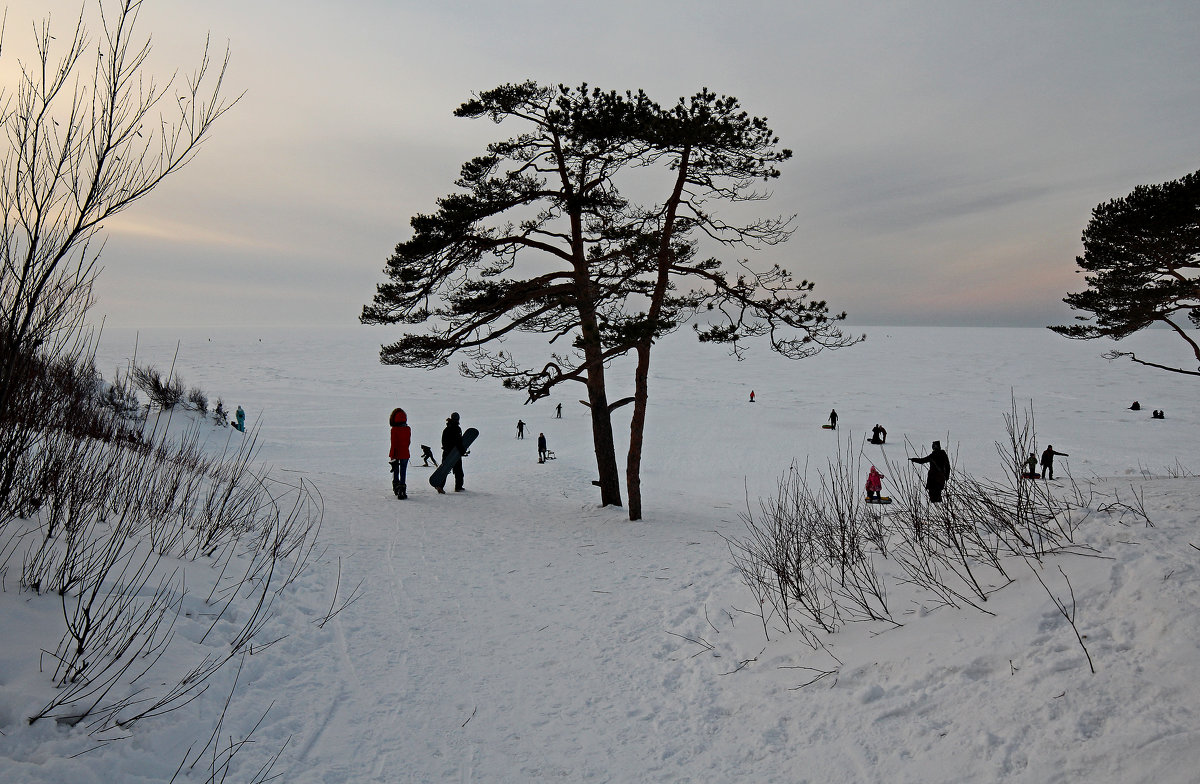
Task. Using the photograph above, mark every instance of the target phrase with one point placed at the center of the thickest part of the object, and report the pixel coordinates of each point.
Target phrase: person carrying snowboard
(1048, 460)
(451, 441)
(874, 484)
(401, 439)
(939, 470)
(541, 447)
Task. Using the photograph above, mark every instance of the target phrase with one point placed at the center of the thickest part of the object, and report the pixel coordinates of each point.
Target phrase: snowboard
(438, 477)
(881, 500)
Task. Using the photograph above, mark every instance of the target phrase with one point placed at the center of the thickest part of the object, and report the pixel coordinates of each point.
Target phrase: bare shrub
(199, 400)
(166, 393)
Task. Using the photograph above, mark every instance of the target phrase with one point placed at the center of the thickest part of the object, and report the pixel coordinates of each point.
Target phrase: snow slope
(518, 632)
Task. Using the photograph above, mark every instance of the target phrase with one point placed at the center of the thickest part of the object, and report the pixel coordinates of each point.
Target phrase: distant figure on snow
(520, 429)
(427, 455)
(874, 483)
(1048, 460)
(558, 411)
(542, 447)
(751, 395)
(240, 418)
(1031, 467)
(833, 419)
(401, 439)
(878, 435)
(1136, 406)
(1157, 414)
(939, 470)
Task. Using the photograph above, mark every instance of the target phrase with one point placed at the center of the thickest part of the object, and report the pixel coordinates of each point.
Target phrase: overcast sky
(947, 154)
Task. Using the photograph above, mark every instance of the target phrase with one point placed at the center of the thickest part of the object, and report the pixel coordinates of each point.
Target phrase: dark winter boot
(403, 491)
(397, 488)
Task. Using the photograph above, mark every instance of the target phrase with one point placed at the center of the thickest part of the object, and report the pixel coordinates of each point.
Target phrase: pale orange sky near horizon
(947, 154)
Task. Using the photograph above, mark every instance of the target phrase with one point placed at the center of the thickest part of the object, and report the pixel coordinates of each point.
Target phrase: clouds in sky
(947, 154)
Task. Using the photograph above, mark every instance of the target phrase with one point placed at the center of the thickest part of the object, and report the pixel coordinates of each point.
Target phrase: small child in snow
(874, 484)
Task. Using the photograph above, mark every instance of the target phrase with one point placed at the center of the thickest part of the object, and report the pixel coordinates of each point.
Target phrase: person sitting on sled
(874, 484)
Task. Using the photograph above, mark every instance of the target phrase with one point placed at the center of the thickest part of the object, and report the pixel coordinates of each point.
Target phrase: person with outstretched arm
(939, 470)
(1048, 461)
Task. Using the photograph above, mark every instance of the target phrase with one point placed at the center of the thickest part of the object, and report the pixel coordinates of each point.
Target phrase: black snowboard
(438, 477)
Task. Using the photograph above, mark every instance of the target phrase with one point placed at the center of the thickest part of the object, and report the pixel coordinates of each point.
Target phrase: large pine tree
(540, 238)
(1142, 256)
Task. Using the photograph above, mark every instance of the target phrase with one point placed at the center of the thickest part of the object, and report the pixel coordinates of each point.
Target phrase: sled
(881, 500)
(827, 427)
(438, 478)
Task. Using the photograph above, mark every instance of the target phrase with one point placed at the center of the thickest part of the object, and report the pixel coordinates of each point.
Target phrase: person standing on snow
(878, 435)
(939, 470)
(1031, 466)
(520, 429)
(558, 411)
(874, 484)
(1048, 460)
(833, 419)
(751, 395)
(401, 440)
(240, 424)
(452, 440)
(541, 447)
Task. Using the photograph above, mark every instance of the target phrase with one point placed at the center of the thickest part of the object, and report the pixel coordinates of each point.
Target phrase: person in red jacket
(401, 439)
(874, 484)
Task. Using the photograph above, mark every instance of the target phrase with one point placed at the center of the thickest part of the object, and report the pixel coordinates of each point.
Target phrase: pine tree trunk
(637, 427)
(602, 432)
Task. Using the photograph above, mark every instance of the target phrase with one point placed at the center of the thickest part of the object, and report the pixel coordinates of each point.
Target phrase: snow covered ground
(518, 632)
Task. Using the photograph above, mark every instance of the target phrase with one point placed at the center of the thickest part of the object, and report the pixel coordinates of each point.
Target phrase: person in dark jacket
(541, 447)
(452, 440)
(399, 454)
(833, 417)
(939, 470)
(879, 434)
(1048, 460)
